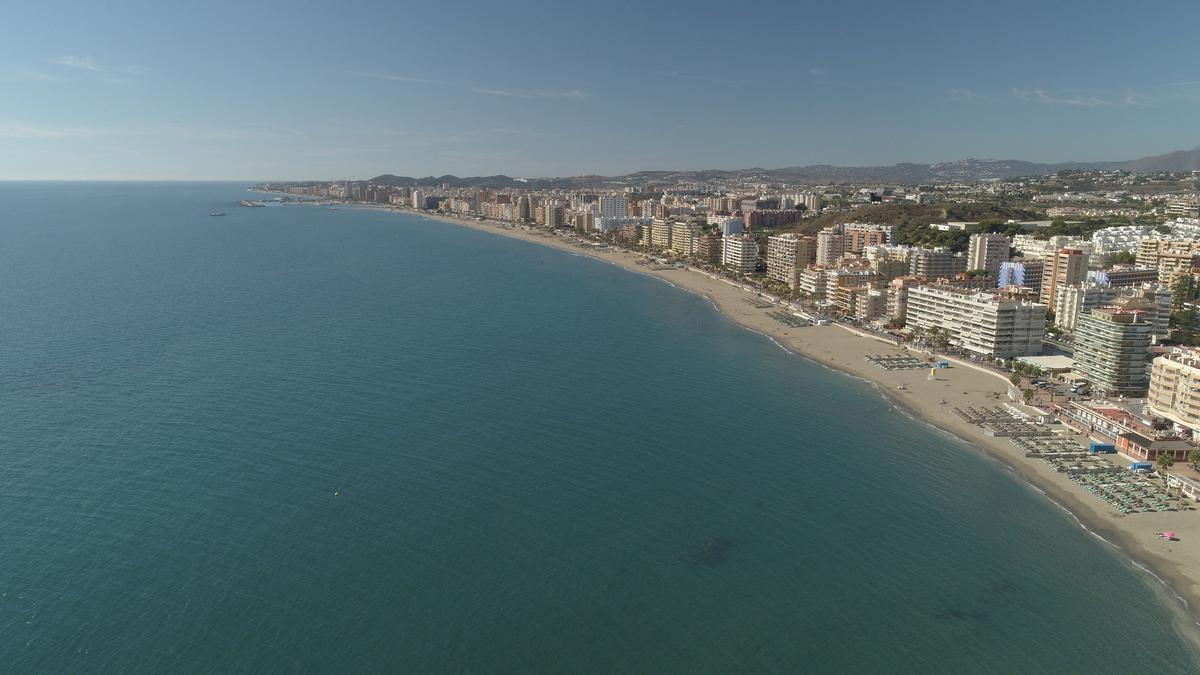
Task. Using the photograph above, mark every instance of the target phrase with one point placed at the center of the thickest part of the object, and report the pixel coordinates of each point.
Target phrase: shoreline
(1174, 567)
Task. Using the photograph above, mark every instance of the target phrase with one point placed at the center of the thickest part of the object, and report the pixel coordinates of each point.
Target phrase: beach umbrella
(1169, 534)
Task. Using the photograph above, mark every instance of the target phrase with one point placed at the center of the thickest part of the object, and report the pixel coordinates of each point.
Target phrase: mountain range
(966, 170)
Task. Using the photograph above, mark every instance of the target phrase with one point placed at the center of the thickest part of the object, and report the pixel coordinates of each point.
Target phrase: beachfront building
(869, 303)
(708, 248)
(1065, 267)
(980, 322)
(897, 307)
(988, 251)
(740, 253)
(660, 234)
(787, 255)
(1112, 347)
(1134, 436)
(685, 238)
(844, 284)
(1175, 387)
(811, 281)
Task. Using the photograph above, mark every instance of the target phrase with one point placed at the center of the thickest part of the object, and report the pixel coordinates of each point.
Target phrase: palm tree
(1194, 458)
(1164, 461)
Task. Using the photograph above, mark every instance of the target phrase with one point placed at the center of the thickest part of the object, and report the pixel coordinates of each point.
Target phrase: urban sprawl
(1081, 286)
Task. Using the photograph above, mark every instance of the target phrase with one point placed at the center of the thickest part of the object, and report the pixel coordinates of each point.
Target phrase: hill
(961, 171)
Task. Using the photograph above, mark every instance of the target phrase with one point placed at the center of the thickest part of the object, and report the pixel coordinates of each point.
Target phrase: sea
(300, 439)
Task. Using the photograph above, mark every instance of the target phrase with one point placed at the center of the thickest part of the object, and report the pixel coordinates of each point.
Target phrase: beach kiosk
(1141, 467)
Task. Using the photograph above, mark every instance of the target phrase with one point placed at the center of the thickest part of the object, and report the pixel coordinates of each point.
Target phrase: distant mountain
(452, 181)
(966, 170)
(1180, 160)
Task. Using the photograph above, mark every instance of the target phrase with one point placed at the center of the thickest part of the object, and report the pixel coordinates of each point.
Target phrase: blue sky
(212, 90)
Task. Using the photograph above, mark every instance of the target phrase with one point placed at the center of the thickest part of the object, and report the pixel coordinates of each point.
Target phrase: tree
(1194, 458)
(1028, 394)
(1164, 461)
(1015, 379)
(1124, 258)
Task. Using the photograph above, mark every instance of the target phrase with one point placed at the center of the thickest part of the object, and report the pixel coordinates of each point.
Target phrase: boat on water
(216, 213)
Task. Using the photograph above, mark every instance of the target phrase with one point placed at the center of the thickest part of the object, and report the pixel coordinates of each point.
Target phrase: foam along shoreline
(1174, 565)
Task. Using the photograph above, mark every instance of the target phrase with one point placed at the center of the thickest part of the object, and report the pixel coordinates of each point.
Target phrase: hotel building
(787, 255)
(1112, 348)
(1175, 387)
(740, 253)
(979, 322)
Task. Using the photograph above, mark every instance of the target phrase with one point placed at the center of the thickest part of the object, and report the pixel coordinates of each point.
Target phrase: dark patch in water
(712, 551)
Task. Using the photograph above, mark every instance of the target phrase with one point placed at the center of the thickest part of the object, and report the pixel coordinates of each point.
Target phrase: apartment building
(708, 248)
(1024, 273)
(1066, 267)
(1175, 387)
(978, 321)
(1072, 302)
(787, 255)
(987, 251)
(685, 238)
(740, 253)
(936, 263)
(1112, 348)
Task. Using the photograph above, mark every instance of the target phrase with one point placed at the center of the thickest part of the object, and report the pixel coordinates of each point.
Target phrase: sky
(298, 90)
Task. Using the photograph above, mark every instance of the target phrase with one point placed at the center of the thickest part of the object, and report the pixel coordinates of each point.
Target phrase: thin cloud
(41, 133)
(701, 78)
(562, 94)
(89, 64)
(25, 75)
(964, 96)
(1144, 97)
(1080, 98)
(81, 62)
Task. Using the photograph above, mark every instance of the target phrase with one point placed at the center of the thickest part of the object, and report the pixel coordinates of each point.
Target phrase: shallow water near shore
(340, 440)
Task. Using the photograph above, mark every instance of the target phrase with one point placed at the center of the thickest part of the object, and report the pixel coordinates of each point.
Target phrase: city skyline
(287, 92)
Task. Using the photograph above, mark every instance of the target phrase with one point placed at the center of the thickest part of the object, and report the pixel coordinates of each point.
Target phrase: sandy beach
(1176, 564)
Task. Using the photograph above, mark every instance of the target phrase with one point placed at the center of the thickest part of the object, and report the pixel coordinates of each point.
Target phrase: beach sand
(1176, 564)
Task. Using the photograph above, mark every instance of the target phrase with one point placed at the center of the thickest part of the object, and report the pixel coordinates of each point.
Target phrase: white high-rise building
(979, 322)
(614, 207)
(987, 252)
(740, 253)
(1076, 300)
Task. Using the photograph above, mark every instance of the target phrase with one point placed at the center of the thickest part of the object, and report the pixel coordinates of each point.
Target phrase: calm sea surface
(305, 439)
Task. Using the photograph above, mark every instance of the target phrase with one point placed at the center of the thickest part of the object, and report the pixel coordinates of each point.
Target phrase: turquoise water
(303, 439)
